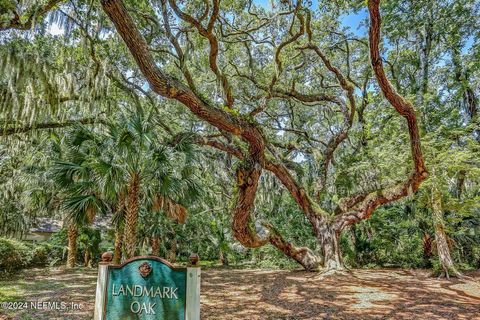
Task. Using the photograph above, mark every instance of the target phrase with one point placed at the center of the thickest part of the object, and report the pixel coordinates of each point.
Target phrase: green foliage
(46, 254)
(14, 255)
(268, 257)
(50, 252)
(54, 249)
(90, 239)
(391, 238)
(75, 171)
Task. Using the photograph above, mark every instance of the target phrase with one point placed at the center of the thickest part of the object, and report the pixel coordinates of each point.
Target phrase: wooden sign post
(147, 287)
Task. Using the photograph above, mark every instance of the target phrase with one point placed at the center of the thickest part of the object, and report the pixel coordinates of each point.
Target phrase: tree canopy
(295, 125)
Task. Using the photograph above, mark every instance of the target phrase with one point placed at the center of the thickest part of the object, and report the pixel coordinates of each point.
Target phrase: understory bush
(41, 255)
(269, 257)
(14, 255)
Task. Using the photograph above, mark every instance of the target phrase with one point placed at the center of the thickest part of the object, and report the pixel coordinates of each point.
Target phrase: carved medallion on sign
(145, 269)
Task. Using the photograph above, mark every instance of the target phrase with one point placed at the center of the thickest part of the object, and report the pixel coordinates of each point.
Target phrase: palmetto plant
(174, 186)
(80, 186)
(137, 149)
(109, 167)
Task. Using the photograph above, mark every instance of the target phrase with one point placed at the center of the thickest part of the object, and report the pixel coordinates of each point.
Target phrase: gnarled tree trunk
(328, 238)
(243, 227)
(248, 175)
(131, 216)
(72, 245)
(304, 256)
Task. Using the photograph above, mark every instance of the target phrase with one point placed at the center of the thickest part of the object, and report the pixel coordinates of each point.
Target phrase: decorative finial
(194, 258)
(107, 257)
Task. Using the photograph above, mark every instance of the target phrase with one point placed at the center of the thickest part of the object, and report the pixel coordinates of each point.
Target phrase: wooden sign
(147, 288)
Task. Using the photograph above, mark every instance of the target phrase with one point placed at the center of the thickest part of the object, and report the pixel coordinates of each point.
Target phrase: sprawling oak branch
(298, 192)
(304, 256)
(243, 228)
(292, 93)
(349, 114)
(48, 125)
(17, 23)
(212, 39)
(254, 160)
(361, 206)
(169, 87)
(178, 49)
(261, 153)
(284, 44)
(403, 107)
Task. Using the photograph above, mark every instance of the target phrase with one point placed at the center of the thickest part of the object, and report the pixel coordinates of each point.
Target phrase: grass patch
(10, 291)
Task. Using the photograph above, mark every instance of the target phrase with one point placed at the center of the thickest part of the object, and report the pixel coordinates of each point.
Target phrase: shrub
(269, 257)
(14, 255)
(57, 245)
(89, 239)
(40, 255)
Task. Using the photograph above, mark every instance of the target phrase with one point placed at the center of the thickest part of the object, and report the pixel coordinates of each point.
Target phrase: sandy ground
(260, 294)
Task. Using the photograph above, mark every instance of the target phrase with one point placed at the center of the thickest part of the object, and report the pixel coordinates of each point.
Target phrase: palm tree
(118, 221)
(137, 149)
(78, 185)
(81, 210)
(159, 223)
(107, 168)
(127, 142)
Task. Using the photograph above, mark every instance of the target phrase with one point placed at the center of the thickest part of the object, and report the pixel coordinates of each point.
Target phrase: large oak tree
(272, 89)
(227, 114)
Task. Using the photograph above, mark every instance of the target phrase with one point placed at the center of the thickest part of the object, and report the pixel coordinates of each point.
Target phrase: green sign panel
(146, 288)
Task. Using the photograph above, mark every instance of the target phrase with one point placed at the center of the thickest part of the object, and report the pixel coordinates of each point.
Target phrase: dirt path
(259, 294)
(362, 294)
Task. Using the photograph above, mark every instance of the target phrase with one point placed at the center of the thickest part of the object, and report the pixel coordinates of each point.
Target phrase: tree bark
(117, 254)
(131, 216)
(172, 253)
(443, 249)
(248, 175)
(329, 238)
(87, 258)
(304, 256)
(223, 258)
(155, 244)
(72, 245)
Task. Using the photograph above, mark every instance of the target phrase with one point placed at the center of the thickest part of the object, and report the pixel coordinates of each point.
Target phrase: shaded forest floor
(260, 294)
